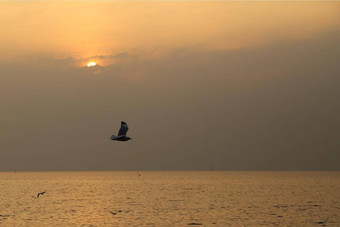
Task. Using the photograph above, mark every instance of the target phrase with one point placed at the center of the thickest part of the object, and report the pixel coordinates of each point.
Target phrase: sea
(178, 198)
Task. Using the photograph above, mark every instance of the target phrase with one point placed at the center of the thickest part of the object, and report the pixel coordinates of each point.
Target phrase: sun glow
(92, 63)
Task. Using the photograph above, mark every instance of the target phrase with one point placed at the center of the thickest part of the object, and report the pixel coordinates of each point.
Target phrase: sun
(91, 63)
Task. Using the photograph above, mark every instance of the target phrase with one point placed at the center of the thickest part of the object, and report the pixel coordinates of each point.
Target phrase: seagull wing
(113, 137)
(123, 129)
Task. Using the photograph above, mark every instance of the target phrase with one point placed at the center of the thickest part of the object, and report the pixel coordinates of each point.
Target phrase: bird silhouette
(114, 213)
(40, 193)
(122, 133)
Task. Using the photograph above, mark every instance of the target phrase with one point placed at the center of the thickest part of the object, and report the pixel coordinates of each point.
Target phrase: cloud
(83, 29)
(267, 108)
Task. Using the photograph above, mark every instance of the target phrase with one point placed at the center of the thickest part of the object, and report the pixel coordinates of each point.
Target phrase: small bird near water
(114, 213)
(40, 193)
(122, 133)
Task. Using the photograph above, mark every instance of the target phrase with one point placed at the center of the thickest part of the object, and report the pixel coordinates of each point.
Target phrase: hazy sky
(202, 85)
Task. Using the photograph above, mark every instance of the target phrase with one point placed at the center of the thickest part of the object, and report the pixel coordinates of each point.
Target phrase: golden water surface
(170, 198)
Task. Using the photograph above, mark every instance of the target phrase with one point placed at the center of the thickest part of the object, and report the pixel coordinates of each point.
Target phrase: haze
(202, 85)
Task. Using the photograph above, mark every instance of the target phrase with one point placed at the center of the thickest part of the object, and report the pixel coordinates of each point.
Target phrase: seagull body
(122, 133)
(40, 193)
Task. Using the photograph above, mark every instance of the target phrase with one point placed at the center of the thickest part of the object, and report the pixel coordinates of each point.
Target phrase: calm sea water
(170, 199)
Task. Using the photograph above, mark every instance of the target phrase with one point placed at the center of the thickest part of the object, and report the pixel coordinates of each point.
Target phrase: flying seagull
(122, 133)
(40, 193)
(114, 213)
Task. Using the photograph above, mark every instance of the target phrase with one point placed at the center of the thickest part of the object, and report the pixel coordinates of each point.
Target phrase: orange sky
(233, 85)
(149, 29)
